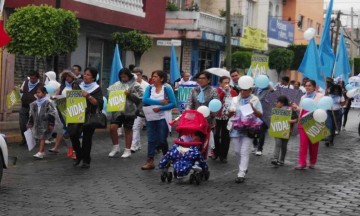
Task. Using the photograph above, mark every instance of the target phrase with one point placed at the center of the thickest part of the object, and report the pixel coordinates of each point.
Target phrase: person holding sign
(158, 99)
(28, 91)
(305, 143)
(43, 120)
(245, 106)
(127, 114)
(221, 136)
(281, 143)
(94, 102)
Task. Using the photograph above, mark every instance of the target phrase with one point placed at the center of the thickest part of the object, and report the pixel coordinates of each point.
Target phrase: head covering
(51, 75)
(67, 72)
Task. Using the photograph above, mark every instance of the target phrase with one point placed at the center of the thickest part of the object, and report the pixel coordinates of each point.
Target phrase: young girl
(44, 120)
(280, 143)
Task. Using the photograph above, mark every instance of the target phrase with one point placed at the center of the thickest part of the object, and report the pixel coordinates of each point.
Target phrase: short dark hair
(312, 82)
(42, 89)
(34, 73)
(93, 72)
(233, 71)
(78, 66)
(131, 67)
(127, 72)
(223, 78)
(161, 74)
(285, 79)
(205, 73)
(283, 99)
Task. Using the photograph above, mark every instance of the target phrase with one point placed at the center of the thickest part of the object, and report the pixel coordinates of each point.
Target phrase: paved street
(118, 186)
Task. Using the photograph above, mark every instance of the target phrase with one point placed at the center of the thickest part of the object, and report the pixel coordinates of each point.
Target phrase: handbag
(96, 120)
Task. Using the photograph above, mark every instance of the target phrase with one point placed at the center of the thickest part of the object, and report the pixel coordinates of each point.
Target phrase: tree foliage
(42, 31)
(280, 59)
(356, 65)
(241, 59)
(133, 41)
(299, 52)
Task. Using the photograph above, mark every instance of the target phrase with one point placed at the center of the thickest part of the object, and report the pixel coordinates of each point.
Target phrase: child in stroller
(185, 155)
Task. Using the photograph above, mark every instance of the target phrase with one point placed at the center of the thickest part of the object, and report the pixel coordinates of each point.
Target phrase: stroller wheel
(206, 175)
(163, 176)
(192, 178)
(169, 176)
(197, 178)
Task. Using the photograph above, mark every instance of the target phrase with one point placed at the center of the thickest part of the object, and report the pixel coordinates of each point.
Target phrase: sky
(345, 7)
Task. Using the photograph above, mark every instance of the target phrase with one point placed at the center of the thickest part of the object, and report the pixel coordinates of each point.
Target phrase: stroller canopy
(192, 121)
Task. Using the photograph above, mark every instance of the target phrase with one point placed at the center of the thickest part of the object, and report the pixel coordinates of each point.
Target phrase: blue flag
(116, 66)
(249, 72)
(174, 68)
(327, 56)
(342, 65)
(311, 66)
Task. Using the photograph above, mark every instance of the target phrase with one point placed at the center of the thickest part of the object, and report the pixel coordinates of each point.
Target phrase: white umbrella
(218, 72)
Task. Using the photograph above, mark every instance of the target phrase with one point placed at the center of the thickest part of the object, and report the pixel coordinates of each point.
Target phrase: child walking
(280, 143)
(44, 120)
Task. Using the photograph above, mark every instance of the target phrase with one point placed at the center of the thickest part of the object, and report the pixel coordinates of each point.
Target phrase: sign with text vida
(75, 107)
(314, 130)
(279, 123)
(13, 98)
(61, 105)
(116, 102)
(281, 30)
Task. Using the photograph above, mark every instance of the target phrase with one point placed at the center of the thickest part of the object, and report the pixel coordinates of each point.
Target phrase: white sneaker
(135, 148)
(39, 155)
(115, 149)
(336, 132)
(258, 153)
(126, 154)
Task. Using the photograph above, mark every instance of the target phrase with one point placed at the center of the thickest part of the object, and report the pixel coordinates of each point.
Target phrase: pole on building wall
(228, 36)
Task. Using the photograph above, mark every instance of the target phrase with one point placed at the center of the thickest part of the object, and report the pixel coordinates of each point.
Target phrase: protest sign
(116, 101)
(12, 98)
(315, 131)
(279, 123)
(75, 107)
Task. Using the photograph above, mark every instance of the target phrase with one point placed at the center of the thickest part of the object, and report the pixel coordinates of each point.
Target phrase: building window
(318, 28)
(300, 22)
(180, 3)
(277, 11)
(270, 9)
(249, 15)
(309, 23)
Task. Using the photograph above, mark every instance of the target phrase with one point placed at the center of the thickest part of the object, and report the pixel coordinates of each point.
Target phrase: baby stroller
(186, 156)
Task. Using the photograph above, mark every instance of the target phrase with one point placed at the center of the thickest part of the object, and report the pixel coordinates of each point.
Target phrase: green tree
(299, 52)
(241, 59)
(133, 41)
(171, 6)
(280, 59)
(42, 31)
(356, 65)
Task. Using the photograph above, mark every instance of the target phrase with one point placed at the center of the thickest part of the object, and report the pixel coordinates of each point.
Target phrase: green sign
(315, 131)
(259, 64)
(279, 123)
(183, 93)
(12, 98)
(117, 101)
(75, 107)
(61, 105)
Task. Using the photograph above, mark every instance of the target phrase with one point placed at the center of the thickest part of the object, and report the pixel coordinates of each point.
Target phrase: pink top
(316, 98)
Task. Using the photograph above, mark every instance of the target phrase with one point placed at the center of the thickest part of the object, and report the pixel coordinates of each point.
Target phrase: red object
(4, 37)
(221, 94)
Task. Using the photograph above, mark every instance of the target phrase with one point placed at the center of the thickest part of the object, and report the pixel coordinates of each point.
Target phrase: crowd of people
(39, 114)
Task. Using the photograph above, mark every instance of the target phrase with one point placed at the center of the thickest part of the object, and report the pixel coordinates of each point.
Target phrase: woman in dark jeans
(94, 101)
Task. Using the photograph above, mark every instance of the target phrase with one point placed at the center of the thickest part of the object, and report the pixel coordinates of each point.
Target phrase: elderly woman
(158, 98)
(241, 139)
(94, 101)
(126, 118)
(305, 143)
(201, 96)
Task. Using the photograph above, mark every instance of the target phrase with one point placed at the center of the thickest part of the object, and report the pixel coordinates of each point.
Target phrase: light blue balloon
(50, 89)
(262, 81)
(348, 87)
(325, 103)
(215, 105)
(308, 104)
(105, 104)
(271, 84)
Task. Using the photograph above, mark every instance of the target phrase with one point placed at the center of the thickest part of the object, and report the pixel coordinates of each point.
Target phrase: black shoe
(76, 162)
(279, 163)
(239, 180)
(275, 162)
(327, 144)
(85, 165)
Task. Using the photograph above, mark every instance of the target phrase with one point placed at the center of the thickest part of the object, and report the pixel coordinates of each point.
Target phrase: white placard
(29, 139)
(246, 110)
(168, 42)
(150, 115)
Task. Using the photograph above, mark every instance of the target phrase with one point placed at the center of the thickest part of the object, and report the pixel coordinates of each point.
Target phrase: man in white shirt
(185, 80)
(285, 83)
(140, 120)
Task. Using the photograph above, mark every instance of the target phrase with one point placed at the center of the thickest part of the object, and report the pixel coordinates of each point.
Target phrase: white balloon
(351, 93)
(309, 33)
(246, 82)
(320, 115)
(204, 110)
